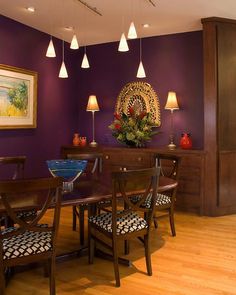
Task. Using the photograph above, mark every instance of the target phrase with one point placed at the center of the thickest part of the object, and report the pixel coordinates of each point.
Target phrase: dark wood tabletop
(92, 191)
(88, 191)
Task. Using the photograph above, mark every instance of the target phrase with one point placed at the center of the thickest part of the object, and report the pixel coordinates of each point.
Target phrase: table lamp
(93, 107)
(171, 105)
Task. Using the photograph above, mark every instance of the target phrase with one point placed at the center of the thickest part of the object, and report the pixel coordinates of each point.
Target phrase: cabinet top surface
(135, 150)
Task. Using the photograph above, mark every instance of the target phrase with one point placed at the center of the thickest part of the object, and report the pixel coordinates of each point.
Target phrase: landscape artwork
(18, 94)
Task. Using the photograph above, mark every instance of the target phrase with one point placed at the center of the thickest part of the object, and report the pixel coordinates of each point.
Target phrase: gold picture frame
(18, 98)
(141, 96)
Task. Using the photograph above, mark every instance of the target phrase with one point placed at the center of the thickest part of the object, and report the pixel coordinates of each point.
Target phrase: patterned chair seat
(126, 224)
(27, 214)
(27, 243)
(161, 200)
(105, 202)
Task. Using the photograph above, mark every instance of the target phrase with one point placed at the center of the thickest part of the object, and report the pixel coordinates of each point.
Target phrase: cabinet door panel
(227, 179)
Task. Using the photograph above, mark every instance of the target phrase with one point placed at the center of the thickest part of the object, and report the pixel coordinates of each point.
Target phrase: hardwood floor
(201, 259)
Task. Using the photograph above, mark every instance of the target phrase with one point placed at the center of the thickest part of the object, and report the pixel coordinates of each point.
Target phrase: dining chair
(124, 224)
(169, 165)
(93, 169)
(29, 241)
(14, 168)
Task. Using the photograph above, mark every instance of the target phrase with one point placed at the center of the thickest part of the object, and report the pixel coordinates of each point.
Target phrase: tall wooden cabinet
(219, 37)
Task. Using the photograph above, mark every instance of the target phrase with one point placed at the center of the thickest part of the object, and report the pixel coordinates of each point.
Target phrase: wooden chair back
(26, 194)
(13, 167)
(94, 166)
(125, 184)
(169, 165)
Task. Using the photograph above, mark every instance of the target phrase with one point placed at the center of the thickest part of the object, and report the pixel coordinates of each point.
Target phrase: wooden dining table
(87, 191)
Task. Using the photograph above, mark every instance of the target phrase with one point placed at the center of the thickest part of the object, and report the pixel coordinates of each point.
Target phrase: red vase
(186, 141)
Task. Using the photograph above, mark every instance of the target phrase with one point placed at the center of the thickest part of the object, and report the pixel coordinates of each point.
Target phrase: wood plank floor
(200, 260)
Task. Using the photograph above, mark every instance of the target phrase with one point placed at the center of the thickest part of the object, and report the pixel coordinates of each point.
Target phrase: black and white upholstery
(27, 243)
(161, 200)
(25, 215)
(128, 223)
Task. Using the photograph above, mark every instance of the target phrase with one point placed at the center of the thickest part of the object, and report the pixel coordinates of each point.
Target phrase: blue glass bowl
(69, 170)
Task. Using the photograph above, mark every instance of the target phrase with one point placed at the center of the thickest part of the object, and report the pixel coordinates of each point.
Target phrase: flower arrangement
(133, 129)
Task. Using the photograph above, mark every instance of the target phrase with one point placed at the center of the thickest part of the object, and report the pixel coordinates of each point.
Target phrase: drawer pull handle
(106, 157)
(139, 159)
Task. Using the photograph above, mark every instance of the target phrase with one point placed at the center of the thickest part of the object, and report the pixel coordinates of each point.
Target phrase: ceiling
(60, 17)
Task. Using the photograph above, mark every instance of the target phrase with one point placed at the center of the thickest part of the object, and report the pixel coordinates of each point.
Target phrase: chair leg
(91, 246)
(115, 262)
(2, 280)
(172, 221)
(81, 224)
(148, 254)
(74, 218)
(155, 222)
(126, 246)
(52, 276)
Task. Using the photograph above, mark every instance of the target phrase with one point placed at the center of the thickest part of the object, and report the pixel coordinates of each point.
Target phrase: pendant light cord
(140, 48)
(63, 50)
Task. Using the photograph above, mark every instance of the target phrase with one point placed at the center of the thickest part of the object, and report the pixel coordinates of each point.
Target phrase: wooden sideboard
(190, 195)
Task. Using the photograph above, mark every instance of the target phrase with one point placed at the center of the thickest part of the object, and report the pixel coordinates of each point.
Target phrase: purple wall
(173, 62)
(25, 47)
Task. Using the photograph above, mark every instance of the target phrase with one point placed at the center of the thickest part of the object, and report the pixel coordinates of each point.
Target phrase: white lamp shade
(141, 72)
(74, 43)
(92, 105)
(123, 45)
(171, 103)
(132, 34)
(51, 50)
(85, 62)
(63, 71)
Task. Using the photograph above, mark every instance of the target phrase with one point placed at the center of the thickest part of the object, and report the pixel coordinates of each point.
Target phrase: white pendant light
(123, 45)
(85, 62)
(74, 43)
(132, 34)
(51, 50)
(63, 72)
(141, 72)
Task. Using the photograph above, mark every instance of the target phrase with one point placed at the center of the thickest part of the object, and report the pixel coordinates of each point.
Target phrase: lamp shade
(63, 72)
(171, 103)
(123, 45)
(92, 105)
(74, 43)
(141, 72)
(85, 62)
(132, 34)
(51, 51)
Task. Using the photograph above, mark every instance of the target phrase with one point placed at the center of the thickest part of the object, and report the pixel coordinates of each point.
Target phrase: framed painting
(18, 98)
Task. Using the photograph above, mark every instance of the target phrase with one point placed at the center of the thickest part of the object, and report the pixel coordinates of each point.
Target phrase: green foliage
(18, 96)
(133, 130)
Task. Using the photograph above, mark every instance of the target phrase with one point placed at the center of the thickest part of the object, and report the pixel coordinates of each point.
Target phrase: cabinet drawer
(127, 159)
